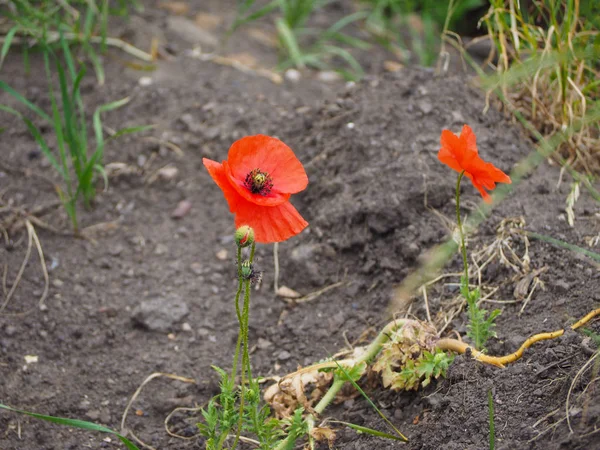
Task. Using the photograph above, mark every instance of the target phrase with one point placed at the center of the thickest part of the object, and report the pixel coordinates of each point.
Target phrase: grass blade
(289, 41)
(130, 130)
(7, 41)
(97, 122)
(557, 243)
(6, 88)
(37, 136)
(74, 423)
(370, 431)
(399, 436)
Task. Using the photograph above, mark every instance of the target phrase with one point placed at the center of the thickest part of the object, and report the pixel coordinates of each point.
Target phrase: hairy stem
(460, 228)
(245, 367)
(239, 315)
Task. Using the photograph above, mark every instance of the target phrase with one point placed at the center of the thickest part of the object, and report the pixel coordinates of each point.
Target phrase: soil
(377, 201)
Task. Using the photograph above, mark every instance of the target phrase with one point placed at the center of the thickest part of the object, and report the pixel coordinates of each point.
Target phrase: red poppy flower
(460, 153)
(257, 179)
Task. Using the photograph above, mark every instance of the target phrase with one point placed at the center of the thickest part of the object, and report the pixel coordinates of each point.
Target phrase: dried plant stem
(111, 41)
(457, 346)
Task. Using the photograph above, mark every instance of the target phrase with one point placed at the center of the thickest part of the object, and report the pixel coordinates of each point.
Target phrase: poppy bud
(244, 236)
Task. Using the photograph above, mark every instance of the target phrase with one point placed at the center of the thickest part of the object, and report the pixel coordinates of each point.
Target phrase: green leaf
(7, 41)
(74, 423)
(400, 436)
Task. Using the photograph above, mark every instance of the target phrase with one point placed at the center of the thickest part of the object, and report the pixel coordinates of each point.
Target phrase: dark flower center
(258, 182)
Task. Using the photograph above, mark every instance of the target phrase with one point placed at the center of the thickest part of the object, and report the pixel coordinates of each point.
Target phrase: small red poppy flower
(257, 179)
(460, 153)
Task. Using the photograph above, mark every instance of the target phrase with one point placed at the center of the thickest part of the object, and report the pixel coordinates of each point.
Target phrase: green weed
(45, 22)
(302, 46)
(416, 26)
(74, 423)
(72, 159)
(547, 68)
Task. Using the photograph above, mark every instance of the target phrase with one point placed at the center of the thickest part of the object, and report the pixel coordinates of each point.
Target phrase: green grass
(416, 26)
(75, 423)
(41, 23)
(78, 166)
(547, 68)
(302, 46)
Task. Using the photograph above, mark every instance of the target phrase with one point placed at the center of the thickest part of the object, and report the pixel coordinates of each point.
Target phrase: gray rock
(160, 313)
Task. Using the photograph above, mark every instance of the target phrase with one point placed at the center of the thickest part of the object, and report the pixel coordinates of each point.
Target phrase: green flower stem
(370, 353)
(243, 335)
(460, 229)
(239, 315)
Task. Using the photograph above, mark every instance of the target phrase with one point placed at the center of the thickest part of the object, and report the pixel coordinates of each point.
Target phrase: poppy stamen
(258, 182)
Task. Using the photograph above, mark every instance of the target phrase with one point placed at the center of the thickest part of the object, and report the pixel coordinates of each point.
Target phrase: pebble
(160, 313)
(284, 355)
(161, 249)
(329, 76)
(145, 81)
(182, 209)
(292, 75)
(197, 268)
(222, 254)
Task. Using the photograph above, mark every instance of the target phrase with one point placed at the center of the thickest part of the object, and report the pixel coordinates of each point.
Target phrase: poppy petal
(272, 156)
(447, 153)
(270, 223)
(469, 140)
(273, 198)
(482, 191)
(217, 172)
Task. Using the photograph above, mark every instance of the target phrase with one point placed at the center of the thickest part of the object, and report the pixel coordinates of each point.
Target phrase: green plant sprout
(302, 46)
(72, 159)
(393, 23)
(84, 22)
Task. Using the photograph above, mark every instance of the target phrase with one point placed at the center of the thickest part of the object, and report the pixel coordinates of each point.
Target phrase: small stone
(160, 313)
(10, 330)
(167, 173)
(145, 81)
(222, 254)
(263, 343)
(350, 125)
(292, 75)
(161, 249)
(425, 106)
(93, 414)
(197, 268)
(284, 355)
(186, 327)
(182, 209)
(329, 76)
(116, 250)
(57, 283)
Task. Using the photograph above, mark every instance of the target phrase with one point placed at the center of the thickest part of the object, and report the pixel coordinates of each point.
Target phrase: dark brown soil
(375, 203)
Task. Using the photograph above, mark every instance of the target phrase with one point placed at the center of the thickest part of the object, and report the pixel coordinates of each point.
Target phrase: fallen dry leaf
(286, 292)
(263, 37)
(208, 21)
(392, 66)
(179, 8)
